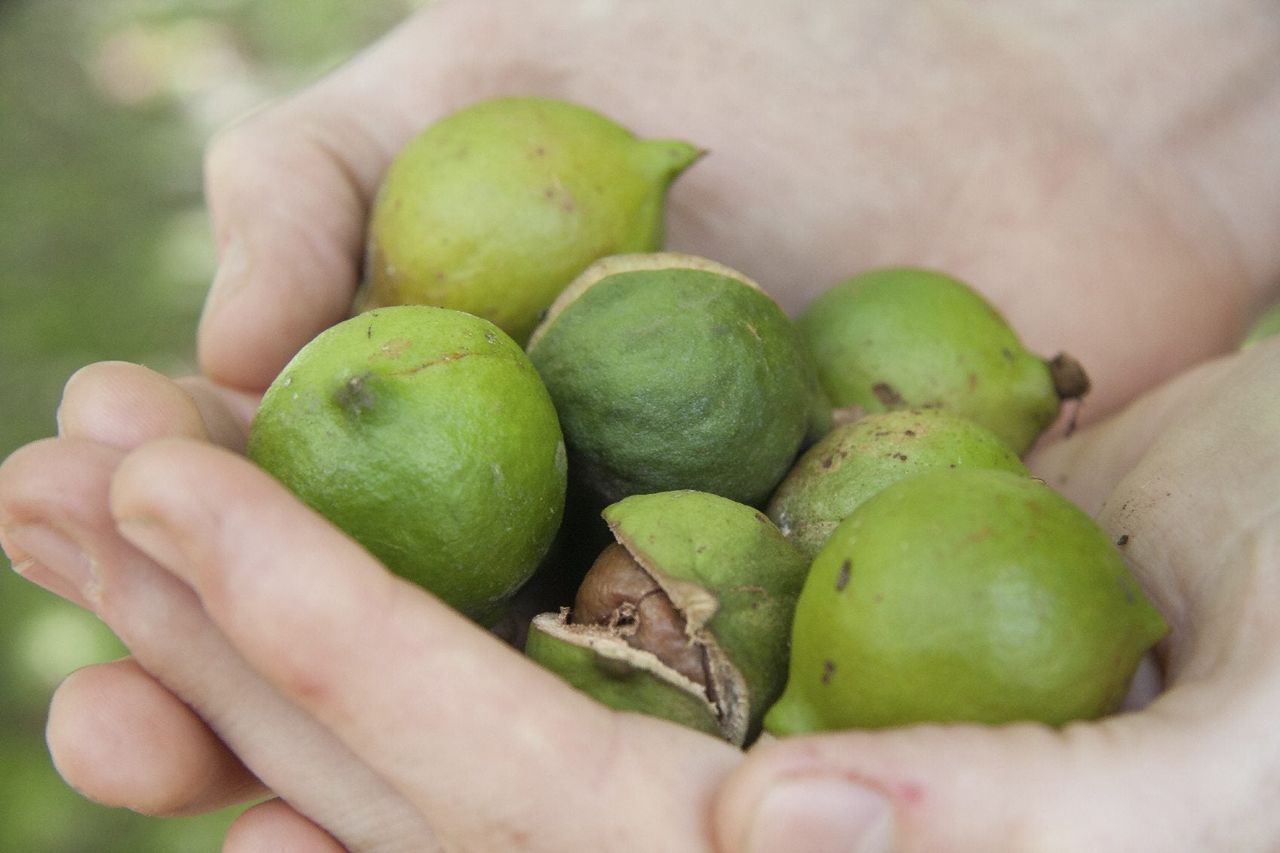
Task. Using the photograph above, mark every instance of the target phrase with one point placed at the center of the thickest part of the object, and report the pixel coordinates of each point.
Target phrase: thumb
(1187, 772)
(1142, 781)
(288, 190)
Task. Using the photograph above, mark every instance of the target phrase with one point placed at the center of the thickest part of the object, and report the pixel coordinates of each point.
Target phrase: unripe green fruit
(859, 459)
(674, 372)
(910, 338)
(495, 208)
(691, 624)
(964, 594)
(426, 435)
(1266, 326)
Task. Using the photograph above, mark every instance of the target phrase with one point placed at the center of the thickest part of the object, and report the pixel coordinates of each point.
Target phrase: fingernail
(820, 815)
(29, 546)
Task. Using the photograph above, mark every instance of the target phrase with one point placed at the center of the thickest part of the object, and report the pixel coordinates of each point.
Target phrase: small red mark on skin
(910, 793)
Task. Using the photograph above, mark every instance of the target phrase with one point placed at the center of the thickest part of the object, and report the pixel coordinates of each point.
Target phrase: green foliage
(104, 254)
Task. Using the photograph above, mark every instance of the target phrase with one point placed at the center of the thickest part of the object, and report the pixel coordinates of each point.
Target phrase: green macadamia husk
(964, 594)
(494, 209)
(858, 459)
(427, 435)
(913, 338)
(734, 579)
(672, 372)
(1267, 325)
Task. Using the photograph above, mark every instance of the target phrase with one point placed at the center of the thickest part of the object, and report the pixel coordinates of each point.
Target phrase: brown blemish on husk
(1070, 381)
(842, 579)
(887, 394)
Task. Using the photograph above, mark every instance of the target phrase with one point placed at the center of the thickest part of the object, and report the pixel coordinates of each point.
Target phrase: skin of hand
(1105, 209)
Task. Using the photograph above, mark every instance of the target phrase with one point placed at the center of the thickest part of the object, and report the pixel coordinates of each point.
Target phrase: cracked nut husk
(687, 617)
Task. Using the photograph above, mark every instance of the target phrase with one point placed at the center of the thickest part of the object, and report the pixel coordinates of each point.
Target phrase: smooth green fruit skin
(964, 595)
(857, 460)
(677, 379)
(912, 338)
(1266, 326)
(495, 208)
(426, 435)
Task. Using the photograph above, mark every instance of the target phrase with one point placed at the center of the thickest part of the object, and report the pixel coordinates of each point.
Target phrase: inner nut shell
(617, 593)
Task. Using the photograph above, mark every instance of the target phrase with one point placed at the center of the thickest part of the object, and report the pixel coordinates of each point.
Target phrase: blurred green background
(105, 253)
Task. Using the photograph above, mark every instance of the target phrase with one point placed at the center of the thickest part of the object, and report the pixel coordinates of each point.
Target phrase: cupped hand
(1185, 479)
(1003, 146)
(271, 653)
(367, 704)
(1111, 209)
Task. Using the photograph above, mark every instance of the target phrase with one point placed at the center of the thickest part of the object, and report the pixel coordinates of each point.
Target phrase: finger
(436, 705)
(288, 191)
(1201, 519)
(160, 620)
(274, 826)
(226, 412)
(122, 739)
(1199, 516)
(1196, 455)
(41, 496)
(1184, 774)
(124, 405)
(1137, 782)
(1088, 465)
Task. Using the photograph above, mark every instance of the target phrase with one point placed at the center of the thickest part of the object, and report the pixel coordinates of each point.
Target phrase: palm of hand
(905, 138)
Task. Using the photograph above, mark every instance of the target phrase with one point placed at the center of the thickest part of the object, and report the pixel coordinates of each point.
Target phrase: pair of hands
(1047, 159)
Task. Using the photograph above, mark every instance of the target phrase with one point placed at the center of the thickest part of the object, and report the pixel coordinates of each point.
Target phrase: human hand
(1033, 153)
(357, 698)
(1186, 474)
(1186, 479)
(1049, 157)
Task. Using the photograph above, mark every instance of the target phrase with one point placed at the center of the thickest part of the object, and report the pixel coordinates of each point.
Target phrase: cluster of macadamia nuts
(830, 509)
